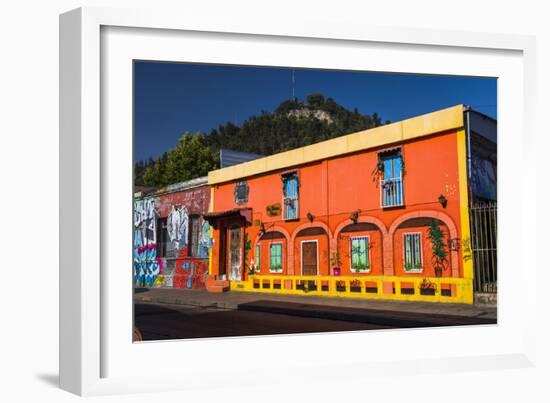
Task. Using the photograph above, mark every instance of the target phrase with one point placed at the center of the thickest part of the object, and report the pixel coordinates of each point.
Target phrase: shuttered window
(290, 196)
(276, 257)
(412, 252)
(257, 257)
(360, 254)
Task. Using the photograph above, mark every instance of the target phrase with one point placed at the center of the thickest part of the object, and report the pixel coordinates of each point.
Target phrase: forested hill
(294, 123)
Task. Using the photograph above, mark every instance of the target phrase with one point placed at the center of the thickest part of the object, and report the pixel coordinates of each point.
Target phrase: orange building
(355, 216)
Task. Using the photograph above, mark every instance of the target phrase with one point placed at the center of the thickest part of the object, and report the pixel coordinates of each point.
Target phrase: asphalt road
(168, 322)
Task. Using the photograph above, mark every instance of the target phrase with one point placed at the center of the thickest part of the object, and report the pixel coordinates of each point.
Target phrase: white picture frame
(96, 353)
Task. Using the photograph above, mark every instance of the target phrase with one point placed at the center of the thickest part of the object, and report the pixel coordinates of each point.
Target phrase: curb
(377, 317)
(186, 302)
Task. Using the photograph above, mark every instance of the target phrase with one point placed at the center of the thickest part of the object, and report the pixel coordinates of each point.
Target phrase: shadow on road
(159, 322)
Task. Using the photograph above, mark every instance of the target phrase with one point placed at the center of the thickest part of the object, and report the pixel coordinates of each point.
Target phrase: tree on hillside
(154, 174)
(315, 100)
(191, 158)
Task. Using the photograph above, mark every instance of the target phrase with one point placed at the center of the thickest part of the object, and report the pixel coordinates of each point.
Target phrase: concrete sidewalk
(326, 307)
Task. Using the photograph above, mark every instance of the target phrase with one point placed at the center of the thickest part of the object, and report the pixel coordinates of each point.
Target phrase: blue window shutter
(388, 171)
(290, 188)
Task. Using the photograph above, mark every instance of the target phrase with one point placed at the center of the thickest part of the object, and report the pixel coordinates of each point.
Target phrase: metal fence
(483, 222)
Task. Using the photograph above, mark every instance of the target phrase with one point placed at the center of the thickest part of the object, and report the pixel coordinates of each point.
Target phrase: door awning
(214, 216)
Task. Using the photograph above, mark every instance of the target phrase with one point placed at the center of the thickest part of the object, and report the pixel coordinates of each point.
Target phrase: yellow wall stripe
(424, 125)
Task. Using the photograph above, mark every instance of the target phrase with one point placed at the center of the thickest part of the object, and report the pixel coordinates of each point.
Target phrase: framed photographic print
(248, 203)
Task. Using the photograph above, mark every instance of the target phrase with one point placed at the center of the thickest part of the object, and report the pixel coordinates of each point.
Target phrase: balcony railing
(391, 192)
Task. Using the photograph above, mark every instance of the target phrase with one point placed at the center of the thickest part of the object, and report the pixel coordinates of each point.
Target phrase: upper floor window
(391, 186)
(290, 196)
(241, 192)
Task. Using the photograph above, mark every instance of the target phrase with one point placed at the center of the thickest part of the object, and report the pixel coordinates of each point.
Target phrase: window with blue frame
(392, 183)
(290, 196)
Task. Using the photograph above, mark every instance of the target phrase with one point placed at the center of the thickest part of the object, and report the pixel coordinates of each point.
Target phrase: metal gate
(483, 223)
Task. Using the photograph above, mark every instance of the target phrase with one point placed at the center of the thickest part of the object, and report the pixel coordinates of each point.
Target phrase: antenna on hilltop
(293, 82)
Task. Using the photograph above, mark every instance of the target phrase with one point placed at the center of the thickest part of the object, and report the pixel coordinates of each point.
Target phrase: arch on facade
(387, 241)
(314, 224)
(438, 215)
(296, 232)
(284, 232)
(273, 229)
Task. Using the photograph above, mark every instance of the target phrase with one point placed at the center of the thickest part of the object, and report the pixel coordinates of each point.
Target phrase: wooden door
(309, 258)
(235, 253)
(223, 252)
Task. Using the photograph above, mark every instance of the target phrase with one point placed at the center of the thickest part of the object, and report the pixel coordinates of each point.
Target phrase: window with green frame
(412, 251)
(360, 254)
(257, 257)
(276, 257)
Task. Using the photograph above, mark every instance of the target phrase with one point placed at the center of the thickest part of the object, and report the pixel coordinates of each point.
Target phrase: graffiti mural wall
(164, 226)
(146, 266)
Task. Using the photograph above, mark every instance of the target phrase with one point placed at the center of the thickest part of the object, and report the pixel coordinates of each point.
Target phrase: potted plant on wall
(427, 287)
(340, 286)
(360, 267)
(355, 285)
(335, 262)
(439, 248)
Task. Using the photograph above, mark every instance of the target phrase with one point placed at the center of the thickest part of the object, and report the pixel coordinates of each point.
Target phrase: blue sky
(172, 98)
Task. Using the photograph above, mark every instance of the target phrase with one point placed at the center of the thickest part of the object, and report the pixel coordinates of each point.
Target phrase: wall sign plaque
(273, 210)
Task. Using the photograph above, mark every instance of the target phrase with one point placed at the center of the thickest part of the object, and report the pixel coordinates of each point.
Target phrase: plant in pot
(252, 268)
(427, 287)
(360, 267)
(340, 285)
(439, 248)
(355, 285)
(335, 262)
(276, 267)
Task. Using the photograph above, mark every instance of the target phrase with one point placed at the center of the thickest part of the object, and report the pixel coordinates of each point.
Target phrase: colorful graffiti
(178, 226)
(191, 272)
(146, 265)
(205, 241)
(164, 227)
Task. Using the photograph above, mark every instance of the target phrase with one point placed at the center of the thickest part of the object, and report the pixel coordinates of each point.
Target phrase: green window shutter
(413, 253)
(354, 257)
(276, 254)
(359, 253)
(257, 258)
(417, 259)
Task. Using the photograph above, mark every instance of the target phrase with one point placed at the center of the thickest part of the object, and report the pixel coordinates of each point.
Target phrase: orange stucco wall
(332, 189)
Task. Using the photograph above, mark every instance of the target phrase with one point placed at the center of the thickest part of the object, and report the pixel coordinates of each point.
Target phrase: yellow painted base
(341, 287)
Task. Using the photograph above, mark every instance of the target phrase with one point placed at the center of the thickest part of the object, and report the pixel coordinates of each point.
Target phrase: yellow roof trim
(423, 125)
